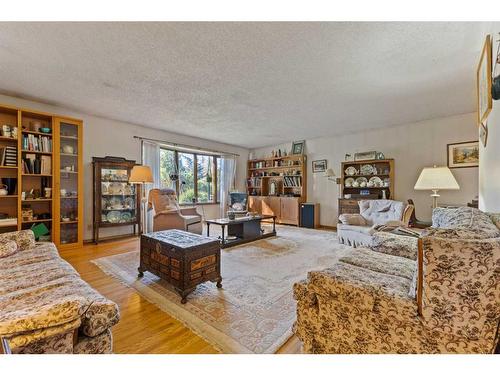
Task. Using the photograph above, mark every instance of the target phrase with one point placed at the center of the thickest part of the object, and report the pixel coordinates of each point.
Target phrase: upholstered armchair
(167, 214)
(358, 229)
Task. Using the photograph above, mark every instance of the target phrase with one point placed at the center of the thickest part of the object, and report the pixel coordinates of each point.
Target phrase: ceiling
(247, 84)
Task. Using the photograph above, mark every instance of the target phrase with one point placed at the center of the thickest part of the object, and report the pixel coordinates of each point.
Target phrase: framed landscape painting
(463, 155)
(319, 165)
(483, 77)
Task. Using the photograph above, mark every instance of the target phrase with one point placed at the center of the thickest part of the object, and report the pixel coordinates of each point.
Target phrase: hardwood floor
(143, 327)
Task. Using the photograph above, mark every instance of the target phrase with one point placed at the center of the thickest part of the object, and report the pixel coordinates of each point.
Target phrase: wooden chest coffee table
(180, 258)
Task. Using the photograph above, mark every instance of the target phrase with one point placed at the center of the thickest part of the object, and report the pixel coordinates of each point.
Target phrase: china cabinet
(116, 201)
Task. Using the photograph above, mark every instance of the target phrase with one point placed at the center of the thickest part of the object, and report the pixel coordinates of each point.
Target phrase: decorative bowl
(45, 130)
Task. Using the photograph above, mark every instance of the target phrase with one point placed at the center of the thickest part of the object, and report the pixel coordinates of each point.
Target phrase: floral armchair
(447, 301)
(169, 215)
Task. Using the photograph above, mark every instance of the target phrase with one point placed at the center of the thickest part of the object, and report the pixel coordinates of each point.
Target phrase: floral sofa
(45, 307)
(439, 293)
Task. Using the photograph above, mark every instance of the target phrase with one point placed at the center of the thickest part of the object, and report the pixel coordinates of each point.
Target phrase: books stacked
(39, 143)
(292, 181)
(8, 156)
(254, 182)
(37, 165)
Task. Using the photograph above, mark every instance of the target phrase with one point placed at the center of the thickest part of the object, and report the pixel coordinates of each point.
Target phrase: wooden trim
(420, 275)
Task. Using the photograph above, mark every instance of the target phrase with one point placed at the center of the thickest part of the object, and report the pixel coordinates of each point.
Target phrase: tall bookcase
(46, 182)
(277, 185)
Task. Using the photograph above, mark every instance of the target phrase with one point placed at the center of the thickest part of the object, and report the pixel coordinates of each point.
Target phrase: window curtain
(151, 158)
(228, 172)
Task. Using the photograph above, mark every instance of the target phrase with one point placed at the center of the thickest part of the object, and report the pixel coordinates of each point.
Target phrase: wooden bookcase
(276, 186)
(383, 169)
(55, 169)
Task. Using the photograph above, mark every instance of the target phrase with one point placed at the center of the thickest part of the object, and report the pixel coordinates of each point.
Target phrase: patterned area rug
(255, 310)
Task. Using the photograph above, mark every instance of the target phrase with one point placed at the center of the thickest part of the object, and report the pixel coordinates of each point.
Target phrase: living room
(249, 187)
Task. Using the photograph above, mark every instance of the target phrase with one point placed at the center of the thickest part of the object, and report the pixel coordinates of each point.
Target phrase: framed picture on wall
(483, 84)
(319, 165)
(463, 155)
(483, 134)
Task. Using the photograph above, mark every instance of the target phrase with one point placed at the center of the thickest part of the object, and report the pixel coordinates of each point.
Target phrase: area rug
(255, 310)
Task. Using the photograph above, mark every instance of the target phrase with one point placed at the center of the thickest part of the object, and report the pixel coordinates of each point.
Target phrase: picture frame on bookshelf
(319, 165)
(298, 147)
(483, 83)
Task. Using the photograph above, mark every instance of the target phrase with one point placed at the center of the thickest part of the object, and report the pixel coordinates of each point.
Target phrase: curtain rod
(186, 146)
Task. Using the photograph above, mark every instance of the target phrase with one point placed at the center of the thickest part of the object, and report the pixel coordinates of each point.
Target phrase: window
(192, 175)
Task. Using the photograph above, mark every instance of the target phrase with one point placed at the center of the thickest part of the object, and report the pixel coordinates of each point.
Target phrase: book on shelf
(37, 165)
(38, 143)
(8, 156)
(292, 181)
(255, 182)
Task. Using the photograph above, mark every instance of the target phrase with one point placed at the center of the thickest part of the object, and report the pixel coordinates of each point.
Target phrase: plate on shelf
(115, 188)
(114, 216)
(349, 181)
(351, 171)
(362, 181)
(376, 181)
(116, 203)
(125, 217)
(129, 202)
(367, 169)
(127, 189)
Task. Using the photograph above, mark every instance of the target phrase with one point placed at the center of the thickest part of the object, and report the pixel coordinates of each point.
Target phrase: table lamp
(435, 179)
(141, 175)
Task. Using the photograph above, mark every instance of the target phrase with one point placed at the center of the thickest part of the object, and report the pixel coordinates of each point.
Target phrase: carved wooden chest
(180, 258)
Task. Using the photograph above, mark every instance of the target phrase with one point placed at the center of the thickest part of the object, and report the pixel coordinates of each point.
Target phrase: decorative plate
(367, 169)
(377, 182)
(115, 188)
(104, 187)
(127, 189)
(126, 216)
(362, 181)
(129, 202)
(114, 216)
(116, 203)
(351, 171)
(349, 181)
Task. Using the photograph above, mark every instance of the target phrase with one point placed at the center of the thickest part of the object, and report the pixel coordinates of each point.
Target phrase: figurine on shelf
(279, 153)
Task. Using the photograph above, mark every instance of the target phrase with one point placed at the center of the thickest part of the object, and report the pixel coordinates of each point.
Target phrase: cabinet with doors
(45, 178)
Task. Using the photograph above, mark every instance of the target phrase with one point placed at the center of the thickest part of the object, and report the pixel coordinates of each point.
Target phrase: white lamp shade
(436, 178)
(141, 174)
(329, 173)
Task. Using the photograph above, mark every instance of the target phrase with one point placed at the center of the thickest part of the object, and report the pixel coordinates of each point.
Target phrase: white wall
(489, 156)
(103, 137)
(413, 146)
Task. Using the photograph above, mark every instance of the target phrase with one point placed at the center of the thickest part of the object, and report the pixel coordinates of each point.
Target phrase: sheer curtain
(151, 158)
(228, 172)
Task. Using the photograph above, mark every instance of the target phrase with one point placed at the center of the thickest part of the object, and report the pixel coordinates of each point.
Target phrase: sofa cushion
(7, 247)
(379, 262)
(465, 218)
(380, 211)
(25, 239)
(356, 228)
(393, 244)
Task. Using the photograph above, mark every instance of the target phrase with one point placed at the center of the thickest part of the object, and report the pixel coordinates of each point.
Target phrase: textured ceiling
(247, 84)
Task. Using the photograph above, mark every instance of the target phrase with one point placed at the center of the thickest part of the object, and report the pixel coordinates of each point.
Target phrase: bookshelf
(277, 185)
(43, 171)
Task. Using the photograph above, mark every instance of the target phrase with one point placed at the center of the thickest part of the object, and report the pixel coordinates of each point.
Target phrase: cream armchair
(358, 229)
(169, 215)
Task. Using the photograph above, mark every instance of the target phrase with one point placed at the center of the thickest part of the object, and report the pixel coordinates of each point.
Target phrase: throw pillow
(352, 219)
(7, 247)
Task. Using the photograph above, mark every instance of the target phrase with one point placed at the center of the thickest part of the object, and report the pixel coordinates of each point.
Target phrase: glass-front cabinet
(116, 201)
(69, 190)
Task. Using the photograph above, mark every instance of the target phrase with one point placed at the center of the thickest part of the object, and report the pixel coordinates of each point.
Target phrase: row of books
(40, 143)
(8, 156)
(37, 165)
(292, 181)
(254, 182)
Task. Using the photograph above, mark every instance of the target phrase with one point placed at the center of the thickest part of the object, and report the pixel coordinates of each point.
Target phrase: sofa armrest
(25, 239)
(352, 219)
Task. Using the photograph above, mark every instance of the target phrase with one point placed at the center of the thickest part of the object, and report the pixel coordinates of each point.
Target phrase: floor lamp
(435, 179)
(142, 175)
